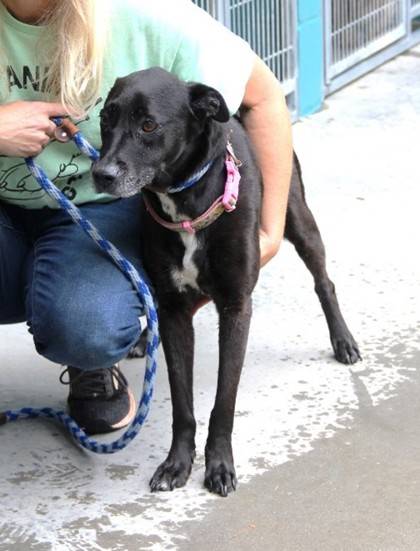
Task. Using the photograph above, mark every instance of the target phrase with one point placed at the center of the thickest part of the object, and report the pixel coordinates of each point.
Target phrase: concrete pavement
(327, 457)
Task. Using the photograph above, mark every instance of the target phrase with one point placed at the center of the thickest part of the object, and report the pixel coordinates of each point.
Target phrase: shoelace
(92, 383)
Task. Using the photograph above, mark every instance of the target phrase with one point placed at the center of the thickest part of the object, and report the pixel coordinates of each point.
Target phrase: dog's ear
(207, 102)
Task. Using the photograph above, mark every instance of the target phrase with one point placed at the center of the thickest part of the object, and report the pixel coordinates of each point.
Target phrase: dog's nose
(105, 174)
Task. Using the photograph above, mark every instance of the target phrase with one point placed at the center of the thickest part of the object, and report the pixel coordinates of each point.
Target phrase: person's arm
(266, 118)
(25, 126)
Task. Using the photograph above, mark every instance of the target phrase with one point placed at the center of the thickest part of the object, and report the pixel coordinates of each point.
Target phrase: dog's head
(148, 126)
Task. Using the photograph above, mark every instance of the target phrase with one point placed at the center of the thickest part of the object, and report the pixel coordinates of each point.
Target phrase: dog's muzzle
(113, 179)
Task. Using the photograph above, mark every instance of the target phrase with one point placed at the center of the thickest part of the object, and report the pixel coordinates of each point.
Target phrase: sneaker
(99, 400)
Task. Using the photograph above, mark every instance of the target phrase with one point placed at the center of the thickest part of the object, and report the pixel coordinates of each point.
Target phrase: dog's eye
(149, 126)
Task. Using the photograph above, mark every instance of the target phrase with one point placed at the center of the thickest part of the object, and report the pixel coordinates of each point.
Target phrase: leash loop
(143, 292)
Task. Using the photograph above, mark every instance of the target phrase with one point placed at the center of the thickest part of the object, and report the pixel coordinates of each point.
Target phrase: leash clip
(230, 195)
(65, 130)
(229, 148)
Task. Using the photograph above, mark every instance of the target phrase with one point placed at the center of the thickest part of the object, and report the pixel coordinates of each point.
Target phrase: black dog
(157, 132)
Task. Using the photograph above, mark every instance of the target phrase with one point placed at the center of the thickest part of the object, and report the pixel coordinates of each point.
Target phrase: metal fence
(360, 29)
(208, 5)
(269, 26)
(357, 30)
(358, 34)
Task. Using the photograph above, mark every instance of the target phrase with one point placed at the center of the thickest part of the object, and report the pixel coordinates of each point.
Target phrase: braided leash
(146, 300)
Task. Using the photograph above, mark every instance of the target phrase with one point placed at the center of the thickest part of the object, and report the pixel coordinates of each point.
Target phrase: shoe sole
(130, 415)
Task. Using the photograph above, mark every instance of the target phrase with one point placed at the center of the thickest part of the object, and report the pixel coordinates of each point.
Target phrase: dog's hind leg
(177, 336)
(220, 476)
(302, 231)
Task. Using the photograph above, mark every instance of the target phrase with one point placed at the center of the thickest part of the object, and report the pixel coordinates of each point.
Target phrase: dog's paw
(169, 475)
(346, 350)
(220, 478)
(139, 350)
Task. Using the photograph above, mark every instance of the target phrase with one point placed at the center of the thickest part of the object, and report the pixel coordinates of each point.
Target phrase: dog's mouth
(125, 189)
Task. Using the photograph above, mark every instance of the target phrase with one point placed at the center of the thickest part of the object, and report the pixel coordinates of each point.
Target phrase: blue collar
(191, 181)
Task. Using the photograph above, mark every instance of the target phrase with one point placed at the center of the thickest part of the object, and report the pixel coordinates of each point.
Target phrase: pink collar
(224, 203)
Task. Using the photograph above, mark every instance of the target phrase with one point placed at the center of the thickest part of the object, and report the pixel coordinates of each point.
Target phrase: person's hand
(26, 128)
(268, 247)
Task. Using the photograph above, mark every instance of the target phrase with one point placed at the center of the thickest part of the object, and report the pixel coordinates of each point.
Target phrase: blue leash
(147, 302)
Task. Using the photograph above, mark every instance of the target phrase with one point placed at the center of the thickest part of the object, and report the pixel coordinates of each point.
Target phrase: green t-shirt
(173, 34)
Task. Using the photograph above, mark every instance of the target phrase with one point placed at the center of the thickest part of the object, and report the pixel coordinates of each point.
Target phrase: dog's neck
(202, 148)
(191, 202)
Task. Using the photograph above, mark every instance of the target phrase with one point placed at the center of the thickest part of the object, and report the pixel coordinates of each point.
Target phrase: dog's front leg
(177, 336)
(234, 318)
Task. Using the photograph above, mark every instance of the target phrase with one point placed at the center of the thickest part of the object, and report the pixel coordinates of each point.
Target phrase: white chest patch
(187, 275)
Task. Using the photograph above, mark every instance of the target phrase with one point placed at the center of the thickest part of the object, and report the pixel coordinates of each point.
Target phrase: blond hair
(74, 45)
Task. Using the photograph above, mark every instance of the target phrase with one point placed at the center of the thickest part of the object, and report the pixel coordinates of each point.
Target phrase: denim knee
(83, 338)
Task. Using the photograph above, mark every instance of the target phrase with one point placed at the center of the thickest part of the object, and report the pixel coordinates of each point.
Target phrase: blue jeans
(80, 308)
